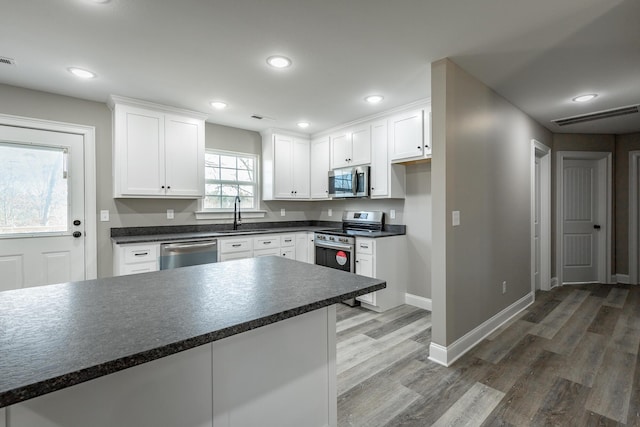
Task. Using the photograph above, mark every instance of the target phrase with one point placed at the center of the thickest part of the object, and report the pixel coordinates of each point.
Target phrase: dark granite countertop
(56, 336)
(130, 235)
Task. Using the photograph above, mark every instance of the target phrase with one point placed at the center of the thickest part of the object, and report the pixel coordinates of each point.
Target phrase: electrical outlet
(282, 212)
(504, 287)
(104, 216)
(455, 218)
(170, 214)
(392, 213)
(330, 212)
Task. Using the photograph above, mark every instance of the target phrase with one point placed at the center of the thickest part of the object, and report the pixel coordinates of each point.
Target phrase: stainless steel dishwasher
(183, 254)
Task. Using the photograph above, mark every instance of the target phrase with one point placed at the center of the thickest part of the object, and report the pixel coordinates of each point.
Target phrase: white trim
(90, 212)
(554, 282)
(116, 99)
(543, 152)
(418, 301)
(447, 355)
(229, 214)
(420, 103)
(622, 278)
(634, 169)
(605, 215)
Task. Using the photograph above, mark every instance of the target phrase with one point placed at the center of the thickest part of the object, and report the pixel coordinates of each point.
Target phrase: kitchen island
(240, 343)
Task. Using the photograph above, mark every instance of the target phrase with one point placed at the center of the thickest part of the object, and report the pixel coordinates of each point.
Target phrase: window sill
(229, 214)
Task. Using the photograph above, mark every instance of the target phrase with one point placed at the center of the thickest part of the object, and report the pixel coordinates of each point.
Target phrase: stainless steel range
(335, 248)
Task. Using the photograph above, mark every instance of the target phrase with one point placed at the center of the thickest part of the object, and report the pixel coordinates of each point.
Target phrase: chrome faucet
(237, 218)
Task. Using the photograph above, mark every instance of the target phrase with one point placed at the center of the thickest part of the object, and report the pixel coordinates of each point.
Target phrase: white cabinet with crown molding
(285, 167)
(320, 165)
(387, 180)
(351, 147)
(410, 135)
(158, 151)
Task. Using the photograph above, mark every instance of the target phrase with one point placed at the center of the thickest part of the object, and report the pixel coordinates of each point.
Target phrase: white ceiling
(537, 54)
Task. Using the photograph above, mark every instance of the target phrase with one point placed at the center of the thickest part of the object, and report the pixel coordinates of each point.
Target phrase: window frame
(207, 213)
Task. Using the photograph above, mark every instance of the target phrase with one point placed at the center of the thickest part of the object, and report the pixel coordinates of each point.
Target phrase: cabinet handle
(357, 260)
(426, 146)
(237, 245)
(141, 254)
(266, 243)
(168, 187)
(162, 187)
(419, 147)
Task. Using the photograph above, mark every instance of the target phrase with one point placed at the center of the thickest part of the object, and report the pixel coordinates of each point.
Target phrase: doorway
(583, 217)
(47, 208)
(540, 217)
(634, 219)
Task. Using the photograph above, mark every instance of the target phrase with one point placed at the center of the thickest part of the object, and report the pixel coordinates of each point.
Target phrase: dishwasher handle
(186, 247)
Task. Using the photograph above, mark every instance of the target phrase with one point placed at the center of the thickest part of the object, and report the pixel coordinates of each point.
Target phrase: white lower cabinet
(132, 259)
(384, 258)
(235, 248)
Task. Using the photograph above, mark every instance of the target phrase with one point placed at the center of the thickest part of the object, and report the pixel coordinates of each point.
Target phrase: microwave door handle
(354, 182)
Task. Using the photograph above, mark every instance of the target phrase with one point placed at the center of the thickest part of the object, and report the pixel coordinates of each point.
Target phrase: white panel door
(283, 155)
(360, 146)
(143, 157)
(340, 150)
(580, 222)
(41, 207)
(379, 159)
(319, 164)
(300, 169)
(184, 156)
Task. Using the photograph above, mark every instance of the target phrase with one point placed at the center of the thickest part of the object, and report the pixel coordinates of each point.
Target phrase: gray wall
(624, 144)
(147, 212)
(481, 167)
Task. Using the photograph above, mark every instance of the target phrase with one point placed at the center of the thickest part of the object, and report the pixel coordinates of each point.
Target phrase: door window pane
(34, 194)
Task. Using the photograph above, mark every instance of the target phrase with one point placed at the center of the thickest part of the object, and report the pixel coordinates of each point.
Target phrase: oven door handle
(334, 246)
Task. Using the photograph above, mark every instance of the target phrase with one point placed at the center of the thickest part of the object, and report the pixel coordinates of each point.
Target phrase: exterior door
(580, 221)
(41, 207)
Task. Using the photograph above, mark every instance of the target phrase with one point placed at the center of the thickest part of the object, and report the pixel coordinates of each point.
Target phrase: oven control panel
(330, 238)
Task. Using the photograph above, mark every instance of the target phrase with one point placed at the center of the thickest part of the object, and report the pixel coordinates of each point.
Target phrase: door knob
(76, 222)
(77, 234)
(596, 226)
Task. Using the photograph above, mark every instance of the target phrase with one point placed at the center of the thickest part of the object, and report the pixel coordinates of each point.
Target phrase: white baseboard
(447, 355)
(621, 278)
(418, 301)
(554, 282)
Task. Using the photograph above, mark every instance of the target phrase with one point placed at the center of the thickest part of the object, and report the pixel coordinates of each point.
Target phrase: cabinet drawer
(364, 246)
(235, 245)
(139, 268)
(266, 252)
(140, 253)
(235, 255)
(287, 240)
(266, 242)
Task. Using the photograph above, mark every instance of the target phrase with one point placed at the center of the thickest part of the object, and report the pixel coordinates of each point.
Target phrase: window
(227, 175)
(33, 189)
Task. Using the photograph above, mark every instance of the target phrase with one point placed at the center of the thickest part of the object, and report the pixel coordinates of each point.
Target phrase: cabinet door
(139, 152)
(302, 252)
(282, 160)
(319, 165)
(427, 133)
(288, 253)
(360, 146)
(340, 150)
(184, 148)
(364, 265)
(300, 169)
(406, 135)
(379, 159)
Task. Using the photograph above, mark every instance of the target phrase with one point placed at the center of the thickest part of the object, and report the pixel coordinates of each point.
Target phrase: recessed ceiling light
(219, 105)
(279, 61)
(83, 74)
(374, 99)
(303, 125)
(101, 1)
(584, 98)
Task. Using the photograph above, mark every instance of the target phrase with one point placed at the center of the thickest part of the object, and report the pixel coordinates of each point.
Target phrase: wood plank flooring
(570, 359)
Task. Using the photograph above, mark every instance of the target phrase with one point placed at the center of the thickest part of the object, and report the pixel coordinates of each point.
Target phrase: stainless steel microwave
(349, 182)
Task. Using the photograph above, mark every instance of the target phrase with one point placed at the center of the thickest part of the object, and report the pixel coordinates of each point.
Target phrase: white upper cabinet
(320, 168)
(410, 135)
(157, 152)
(285, 167)
(387, 180)
(351, 147)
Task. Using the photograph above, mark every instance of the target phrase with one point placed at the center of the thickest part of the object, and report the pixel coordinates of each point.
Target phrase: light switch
(455, 218)
(104, 215)
(392, 213)
(169, 213)
(282, 212)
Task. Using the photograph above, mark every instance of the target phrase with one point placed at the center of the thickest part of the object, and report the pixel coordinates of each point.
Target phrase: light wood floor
(571, 359)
